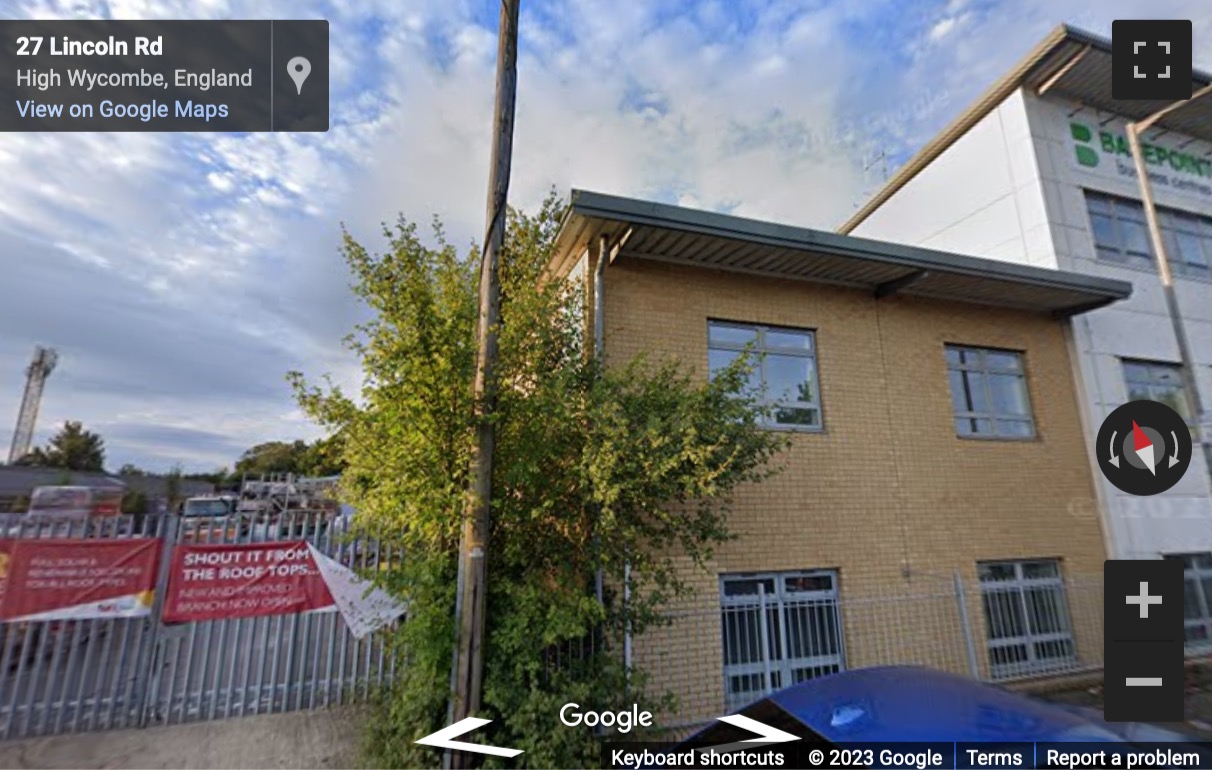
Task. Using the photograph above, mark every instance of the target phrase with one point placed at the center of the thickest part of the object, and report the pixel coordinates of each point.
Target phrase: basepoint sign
(1097, 149)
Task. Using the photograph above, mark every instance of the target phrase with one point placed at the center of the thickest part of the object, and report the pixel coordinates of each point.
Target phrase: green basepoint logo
(1117, 144)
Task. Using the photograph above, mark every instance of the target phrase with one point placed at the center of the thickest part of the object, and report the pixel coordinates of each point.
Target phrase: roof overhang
(1069, 63)
(669, 234)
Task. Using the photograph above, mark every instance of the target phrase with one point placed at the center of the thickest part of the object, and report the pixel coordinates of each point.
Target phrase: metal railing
(80, 675)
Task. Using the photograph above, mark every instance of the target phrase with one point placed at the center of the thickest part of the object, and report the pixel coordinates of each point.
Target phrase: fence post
(149, 667)
(966, 625)
(765, 636)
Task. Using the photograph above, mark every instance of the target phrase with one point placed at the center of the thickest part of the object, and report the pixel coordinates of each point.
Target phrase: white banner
(133, 606)
(365, 607)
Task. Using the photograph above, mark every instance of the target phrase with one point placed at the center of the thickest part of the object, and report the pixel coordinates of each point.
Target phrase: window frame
(992, 416)
(1171, 221)
(1018, 587)
(1194, 575)
(1154, 382)
(760, 349)
(775, 668)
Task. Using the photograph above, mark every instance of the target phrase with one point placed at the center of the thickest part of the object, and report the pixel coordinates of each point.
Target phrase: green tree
(595, 468)
(220, 477)
(135, 501)
(172, 488)
(72, 448)
(130, 469)
(272, 457)
(324, 457)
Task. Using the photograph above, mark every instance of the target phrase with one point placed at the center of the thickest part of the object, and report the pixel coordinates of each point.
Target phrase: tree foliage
(173, 498)
(73, 448)
(322, 457)
(135, 501)
(594, 468)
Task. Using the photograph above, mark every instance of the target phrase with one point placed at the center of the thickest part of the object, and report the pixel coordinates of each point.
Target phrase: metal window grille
(785, 373)
(989, 393)
(1197, 598)
(779, 629)
(1027, 625)
(1122, 235)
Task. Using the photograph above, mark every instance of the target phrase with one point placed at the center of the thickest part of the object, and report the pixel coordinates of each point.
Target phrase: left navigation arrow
(443, 739)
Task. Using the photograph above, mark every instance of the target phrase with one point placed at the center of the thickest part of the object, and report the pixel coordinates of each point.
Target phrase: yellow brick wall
(887, 494)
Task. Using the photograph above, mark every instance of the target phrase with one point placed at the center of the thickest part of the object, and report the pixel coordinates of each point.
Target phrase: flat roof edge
(615, 208)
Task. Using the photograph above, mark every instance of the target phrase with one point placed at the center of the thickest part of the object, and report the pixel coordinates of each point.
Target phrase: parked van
(75, 503)
(53, 506)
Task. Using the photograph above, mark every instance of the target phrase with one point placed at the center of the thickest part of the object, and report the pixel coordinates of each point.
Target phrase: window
(784, 373)
(1188, 240)
(1153, 381)
(989, 393)
(1026, 617)
(1197, 597)
(1122, 235)
(779, 629)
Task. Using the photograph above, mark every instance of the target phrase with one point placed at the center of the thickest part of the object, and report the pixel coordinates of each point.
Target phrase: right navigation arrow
(766, 734)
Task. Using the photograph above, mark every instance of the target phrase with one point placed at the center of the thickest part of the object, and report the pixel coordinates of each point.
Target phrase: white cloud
(182, 275)
(943, 27)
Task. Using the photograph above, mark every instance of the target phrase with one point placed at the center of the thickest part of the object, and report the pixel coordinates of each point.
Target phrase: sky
(180, 276)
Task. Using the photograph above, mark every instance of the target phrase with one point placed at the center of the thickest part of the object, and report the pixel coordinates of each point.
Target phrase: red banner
(213, 582)
(64, 578)
(6, 553)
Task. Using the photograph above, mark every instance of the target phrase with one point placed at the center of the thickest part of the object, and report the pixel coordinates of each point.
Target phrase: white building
(1038, 172)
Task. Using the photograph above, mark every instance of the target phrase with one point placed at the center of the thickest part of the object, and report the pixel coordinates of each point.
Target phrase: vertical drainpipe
(599, 344)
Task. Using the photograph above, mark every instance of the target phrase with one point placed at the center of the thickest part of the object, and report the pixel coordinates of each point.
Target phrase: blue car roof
(909, 703)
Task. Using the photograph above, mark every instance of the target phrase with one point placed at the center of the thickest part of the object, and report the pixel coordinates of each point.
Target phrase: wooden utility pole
(473, 546)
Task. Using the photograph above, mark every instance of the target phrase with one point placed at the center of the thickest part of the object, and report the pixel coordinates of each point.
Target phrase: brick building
(936, 445)
(1038, 171)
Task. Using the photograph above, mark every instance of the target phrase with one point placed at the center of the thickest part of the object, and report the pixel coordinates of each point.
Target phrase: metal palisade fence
(60, 676)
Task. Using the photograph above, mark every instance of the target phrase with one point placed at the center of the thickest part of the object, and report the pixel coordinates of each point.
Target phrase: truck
(212, 518)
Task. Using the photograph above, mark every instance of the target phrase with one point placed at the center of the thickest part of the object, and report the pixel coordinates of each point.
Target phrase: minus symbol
(1144, 681)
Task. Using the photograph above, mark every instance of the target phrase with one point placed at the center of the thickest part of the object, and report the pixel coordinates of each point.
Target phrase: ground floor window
(1197, 597)
(1026, 617)
(779, 628)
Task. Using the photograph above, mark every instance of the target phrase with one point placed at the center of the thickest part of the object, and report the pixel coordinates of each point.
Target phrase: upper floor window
(785, 373)
(989, 393)
(1121, 234)
(1154, 381)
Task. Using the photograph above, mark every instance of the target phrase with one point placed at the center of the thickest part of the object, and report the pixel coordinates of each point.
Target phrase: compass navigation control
(1144, 447)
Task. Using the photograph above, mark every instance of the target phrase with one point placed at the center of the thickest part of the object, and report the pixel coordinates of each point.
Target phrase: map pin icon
(298, 68)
